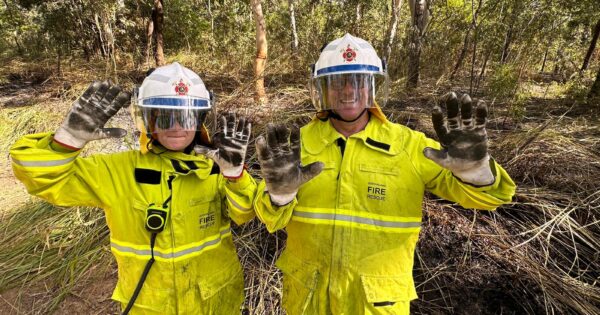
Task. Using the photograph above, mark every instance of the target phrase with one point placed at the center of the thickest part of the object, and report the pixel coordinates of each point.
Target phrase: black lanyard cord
(138, 288)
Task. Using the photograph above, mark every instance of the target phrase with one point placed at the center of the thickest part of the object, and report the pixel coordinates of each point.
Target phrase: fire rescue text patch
(376, 191)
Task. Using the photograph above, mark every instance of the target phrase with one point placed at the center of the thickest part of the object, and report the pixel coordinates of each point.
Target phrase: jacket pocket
(299, 283)
(149, 298)
(211, 285)
(388, 294)
(379, 168)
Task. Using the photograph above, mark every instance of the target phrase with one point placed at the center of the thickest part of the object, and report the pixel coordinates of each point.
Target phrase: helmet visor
(343, 91)
(157, 120)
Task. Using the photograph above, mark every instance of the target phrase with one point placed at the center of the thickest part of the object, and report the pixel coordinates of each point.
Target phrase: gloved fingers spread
(311, 170)
(437, 117)
(104, 133)
(247, 131)
(223, 125)
(481, 117)
(452, 104)
(242, 130)
(438, 156)
(295, 141)
(466, 112)
(262, 149)
(92, 88)
(272, 142)
(122, 100)
(110, 95)
(283, 135)
(230, 124)
(113, 101)
(98, 95)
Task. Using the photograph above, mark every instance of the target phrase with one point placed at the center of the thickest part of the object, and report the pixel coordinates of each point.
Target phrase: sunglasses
(355, 80)
(167, 118)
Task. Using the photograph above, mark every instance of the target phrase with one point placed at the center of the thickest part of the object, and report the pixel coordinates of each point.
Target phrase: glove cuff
(282, 200)
(65, 138)
(234, 172)
(479, 175)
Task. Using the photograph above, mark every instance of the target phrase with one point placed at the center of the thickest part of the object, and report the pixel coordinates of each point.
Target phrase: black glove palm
(463, 140)
(90, 112)
(280, 163)
(229, 145)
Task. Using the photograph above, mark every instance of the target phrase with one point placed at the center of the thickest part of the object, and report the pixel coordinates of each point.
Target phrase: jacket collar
(183, 163)
(377, 135)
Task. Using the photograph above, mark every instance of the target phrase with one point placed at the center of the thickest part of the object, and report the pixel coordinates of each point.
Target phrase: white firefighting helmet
(172, 96)
(348, 66)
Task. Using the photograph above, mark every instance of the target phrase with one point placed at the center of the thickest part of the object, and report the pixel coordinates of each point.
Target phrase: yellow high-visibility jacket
(197, 270)
(352, 230)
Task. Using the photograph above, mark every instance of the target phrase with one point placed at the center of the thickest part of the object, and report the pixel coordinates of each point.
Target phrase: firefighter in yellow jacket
(353, 211)
(168, 206)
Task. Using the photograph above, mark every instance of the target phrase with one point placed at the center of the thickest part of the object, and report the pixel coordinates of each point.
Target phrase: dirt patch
(91, 295)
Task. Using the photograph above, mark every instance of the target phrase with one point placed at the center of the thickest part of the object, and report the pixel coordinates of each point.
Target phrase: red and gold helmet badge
(349, 54)
(181, 88)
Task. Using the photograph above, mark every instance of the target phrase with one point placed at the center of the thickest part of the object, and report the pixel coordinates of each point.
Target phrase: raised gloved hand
(280, 163)
(464, 140)
(229, 145)
(85, 122)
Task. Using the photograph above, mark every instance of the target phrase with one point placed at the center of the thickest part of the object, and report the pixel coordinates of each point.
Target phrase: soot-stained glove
(229, 145)
(279, 160)
(85, 122)
(464, 140)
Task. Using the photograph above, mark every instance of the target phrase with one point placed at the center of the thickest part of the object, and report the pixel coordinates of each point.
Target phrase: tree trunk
(465, 48)
(462, 55)
(356, 28)
(595, 91)
(475, 28)
(590, 52)
(100, 36)
(158, 20)
(149, 35)
(544, 62)
(482, 72)
(212, 26)
(420, 17)
(261, 52)
(391, 30)
(475, 41)
(506, 46)
(293, 25)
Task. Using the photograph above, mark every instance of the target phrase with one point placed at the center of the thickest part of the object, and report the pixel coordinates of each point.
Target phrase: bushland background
(534, 62)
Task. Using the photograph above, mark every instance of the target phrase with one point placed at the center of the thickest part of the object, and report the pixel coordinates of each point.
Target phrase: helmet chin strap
(334, 115)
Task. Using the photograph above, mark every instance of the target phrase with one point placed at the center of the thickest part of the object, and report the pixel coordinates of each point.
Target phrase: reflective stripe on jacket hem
(176, 254)
(237, 205)
(354, 219)
(43, 163)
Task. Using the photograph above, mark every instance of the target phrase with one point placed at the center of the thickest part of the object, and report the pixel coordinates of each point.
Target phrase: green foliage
(504, 82)
(578, 88)
(516, 109)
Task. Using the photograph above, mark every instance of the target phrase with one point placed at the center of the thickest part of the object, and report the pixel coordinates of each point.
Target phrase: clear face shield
(348, 91)
(159, 115)
(157, 120)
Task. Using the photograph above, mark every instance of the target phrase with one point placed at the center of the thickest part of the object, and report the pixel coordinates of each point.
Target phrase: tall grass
(41, 243)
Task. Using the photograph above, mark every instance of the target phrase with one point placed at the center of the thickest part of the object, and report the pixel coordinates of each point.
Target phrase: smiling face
(175, 138)
(348, 100)
(175, 129)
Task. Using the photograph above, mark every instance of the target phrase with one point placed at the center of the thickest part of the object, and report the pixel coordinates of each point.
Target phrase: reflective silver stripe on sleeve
(146, 252)
(237, 205)
(43, 163)
(349, 218)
